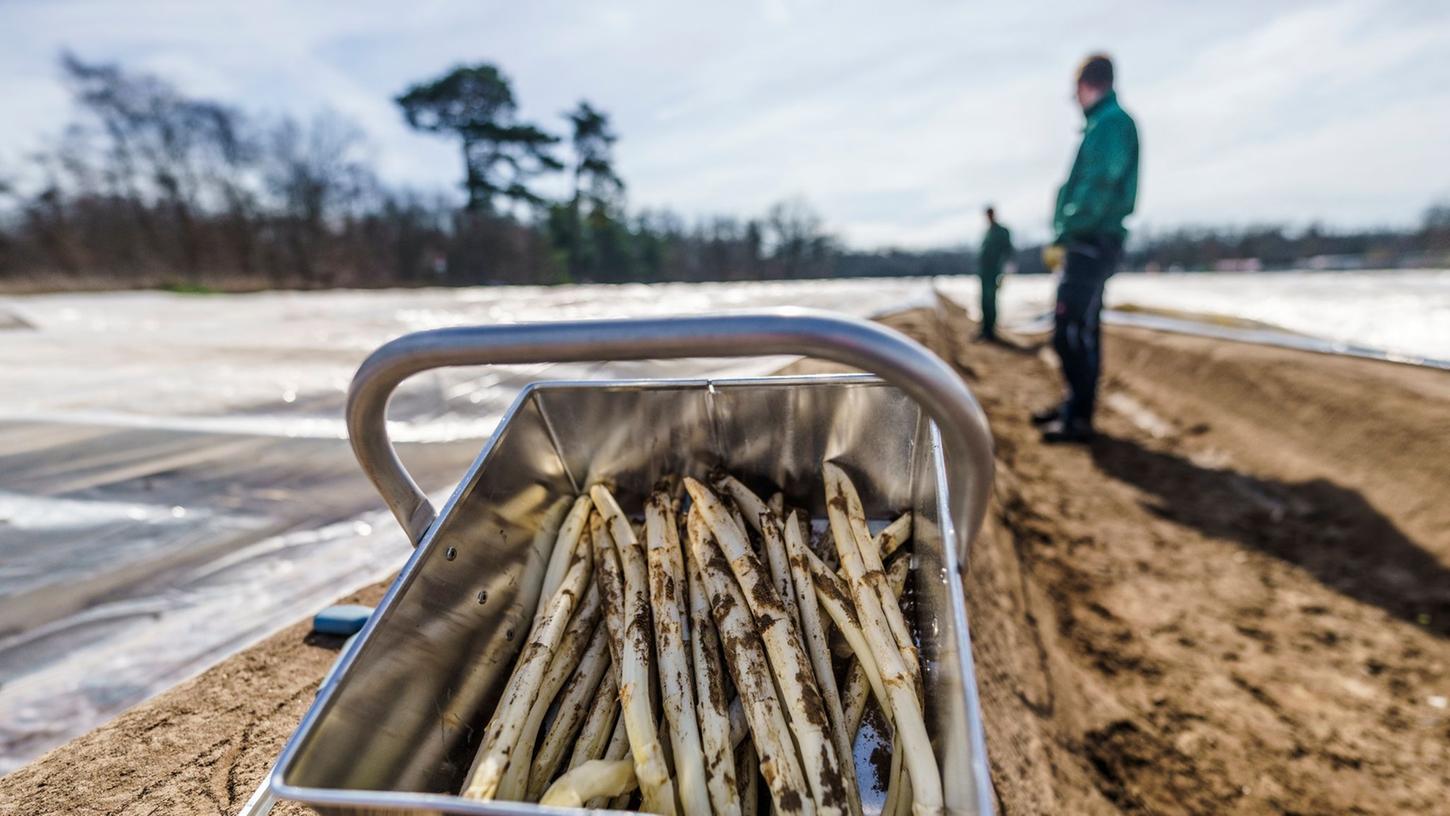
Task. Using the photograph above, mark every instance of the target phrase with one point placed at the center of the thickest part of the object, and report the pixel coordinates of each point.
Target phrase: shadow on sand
(1016, 344)
(1330, 531)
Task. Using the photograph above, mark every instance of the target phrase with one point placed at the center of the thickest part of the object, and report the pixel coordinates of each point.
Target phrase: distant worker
(1099, 193)
(996, 251)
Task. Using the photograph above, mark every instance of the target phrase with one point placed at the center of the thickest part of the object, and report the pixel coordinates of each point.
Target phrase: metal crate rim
(451, 803)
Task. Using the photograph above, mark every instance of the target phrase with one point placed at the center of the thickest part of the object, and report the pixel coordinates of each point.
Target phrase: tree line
(150, 186)
(1271, 247)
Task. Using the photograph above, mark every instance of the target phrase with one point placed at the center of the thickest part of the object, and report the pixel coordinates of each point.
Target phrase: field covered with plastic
(175, 482)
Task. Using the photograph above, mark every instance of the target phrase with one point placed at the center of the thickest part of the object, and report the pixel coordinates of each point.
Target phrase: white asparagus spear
(611, 587)
(594, 735)
(787, 657)
(764, 521)
(898, 784)
(855, 693)
(903, 803)
(566, 543)
(856, 690)
(898, 790)
(751, 671)
(834, 597)
(502, 733)
(896, 573)
(893, 535)
(804, 520)
(739, 519)
(773, 535)
(634, 684)
(851, 537)
(569, 715)
(597, 777)
(714, 712)
(573, 649)
(820, 654)
(566, 546)
(667, 595)
(617, 749)
(873, 573)
(777, 503)
(610, 578)
(858, 683)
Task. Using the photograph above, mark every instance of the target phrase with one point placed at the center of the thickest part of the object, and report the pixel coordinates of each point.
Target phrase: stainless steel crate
(395, 728)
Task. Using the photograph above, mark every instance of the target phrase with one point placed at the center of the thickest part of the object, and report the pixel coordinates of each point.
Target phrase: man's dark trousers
(990, 279)
(1077, 330)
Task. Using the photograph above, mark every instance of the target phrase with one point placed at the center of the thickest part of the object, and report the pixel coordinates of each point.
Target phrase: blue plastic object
(346, 619)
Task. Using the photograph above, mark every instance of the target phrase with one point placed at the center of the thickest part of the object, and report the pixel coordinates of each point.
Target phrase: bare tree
(316, 177)
(796, 239)
(166, 153)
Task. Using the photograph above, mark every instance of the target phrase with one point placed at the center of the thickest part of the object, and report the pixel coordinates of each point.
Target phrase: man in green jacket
(1099, 193)
(996, 250)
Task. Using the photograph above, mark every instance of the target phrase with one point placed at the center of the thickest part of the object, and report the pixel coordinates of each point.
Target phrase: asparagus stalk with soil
(766, 523)
(630, 619)
(891, 537)
(677, 694)
(820, 653)
(573, 707)
(594, 734)
(889, 643)
(751, 672)
(787, 658)
(502, 732)
(834, 597)
(570, 532)
(635, 660)
(572, 651)
(854, 694)
(714, 712)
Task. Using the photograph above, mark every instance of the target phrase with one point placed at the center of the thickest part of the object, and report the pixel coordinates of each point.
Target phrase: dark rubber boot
(1047, 415)
(1063, 432)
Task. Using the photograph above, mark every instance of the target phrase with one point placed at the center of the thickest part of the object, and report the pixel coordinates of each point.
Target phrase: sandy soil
(1236, 601)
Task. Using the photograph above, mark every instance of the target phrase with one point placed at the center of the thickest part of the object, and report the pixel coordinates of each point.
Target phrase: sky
(896, 121)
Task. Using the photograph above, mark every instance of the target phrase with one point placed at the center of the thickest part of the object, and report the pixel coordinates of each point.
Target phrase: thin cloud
(897, 124)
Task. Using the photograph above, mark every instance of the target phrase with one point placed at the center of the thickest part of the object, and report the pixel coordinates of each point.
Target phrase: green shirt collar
(1109, 100)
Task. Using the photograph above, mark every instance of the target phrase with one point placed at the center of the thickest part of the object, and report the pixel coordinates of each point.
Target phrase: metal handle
(870, 347)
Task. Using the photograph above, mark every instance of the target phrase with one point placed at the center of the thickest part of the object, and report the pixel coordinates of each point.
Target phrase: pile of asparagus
(713, 615)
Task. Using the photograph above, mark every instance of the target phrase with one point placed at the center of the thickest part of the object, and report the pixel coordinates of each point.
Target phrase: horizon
(1321, 114)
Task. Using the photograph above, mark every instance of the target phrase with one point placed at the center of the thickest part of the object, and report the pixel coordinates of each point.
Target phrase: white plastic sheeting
(1403, 312)
(175, 481)
(279, 363)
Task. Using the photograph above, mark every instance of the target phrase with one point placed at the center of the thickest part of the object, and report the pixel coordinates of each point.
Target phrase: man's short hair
(1096, 72)
(991, 211)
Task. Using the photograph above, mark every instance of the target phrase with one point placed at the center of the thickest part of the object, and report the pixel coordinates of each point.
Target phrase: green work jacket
(1102, 187)
(996, 249)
